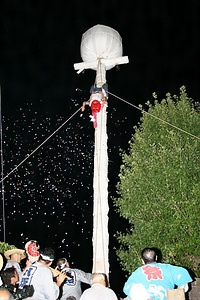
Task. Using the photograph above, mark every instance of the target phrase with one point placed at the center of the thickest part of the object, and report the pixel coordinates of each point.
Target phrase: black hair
(7, 274)
(148, 255)
(49, 253)
(61, 263)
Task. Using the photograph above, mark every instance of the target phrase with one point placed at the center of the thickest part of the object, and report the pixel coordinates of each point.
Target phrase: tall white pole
(100, 186)
(101, 50)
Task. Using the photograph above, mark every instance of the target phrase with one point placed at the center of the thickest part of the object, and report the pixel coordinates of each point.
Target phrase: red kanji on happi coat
(152, 272)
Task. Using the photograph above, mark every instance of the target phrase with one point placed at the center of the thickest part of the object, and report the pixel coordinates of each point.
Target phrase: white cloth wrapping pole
(100, 185)
(101, 50)
(108, 62)
(100, 74)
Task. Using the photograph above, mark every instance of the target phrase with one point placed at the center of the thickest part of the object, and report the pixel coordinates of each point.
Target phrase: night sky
(50, 196)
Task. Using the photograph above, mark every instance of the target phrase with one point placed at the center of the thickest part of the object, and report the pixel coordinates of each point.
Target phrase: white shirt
(72, 287)
(14, 264)
(98, 292)
(41, 278)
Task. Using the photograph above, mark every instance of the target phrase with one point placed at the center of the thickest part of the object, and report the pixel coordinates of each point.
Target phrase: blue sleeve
(180, 276)
(129, 283)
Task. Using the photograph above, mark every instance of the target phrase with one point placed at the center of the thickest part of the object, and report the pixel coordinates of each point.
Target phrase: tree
(159, 185)
(5, 246)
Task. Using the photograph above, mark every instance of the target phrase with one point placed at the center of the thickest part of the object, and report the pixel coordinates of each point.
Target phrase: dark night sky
(49, 198)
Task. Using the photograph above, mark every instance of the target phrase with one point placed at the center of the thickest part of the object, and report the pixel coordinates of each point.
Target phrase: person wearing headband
(72, 286)
(40, 276)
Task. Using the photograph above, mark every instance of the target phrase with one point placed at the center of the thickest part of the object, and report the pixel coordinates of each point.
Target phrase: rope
(142, 110)
(29, 155)
(2, 170)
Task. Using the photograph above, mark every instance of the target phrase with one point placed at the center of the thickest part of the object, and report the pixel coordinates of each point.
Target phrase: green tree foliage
(4, 247)
(159, 186)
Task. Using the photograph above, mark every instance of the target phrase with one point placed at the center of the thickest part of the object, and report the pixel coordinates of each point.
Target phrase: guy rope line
(29, 155)
(142, 110)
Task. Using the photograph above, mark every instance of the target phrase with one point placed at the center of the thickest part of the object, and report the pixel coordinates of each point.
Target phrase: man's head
(47, 256)
(62, 263)
(5, 295)
(148, 255)
(32, 250)
(10, 276)
(15, 254)
(99, 278)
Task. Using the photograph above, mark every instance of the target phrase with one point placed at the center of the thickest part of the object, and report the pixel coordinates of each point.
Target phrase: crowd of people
(39, 281)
